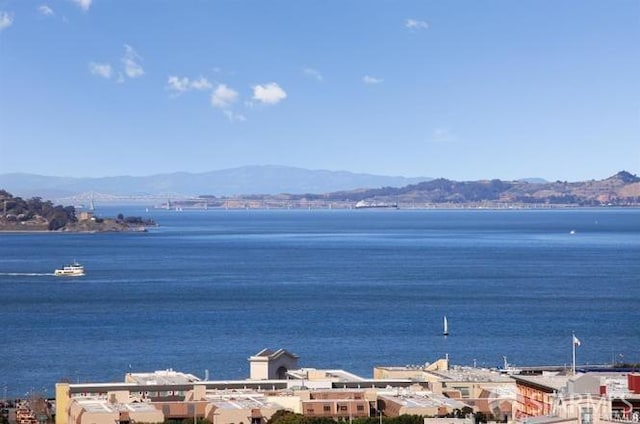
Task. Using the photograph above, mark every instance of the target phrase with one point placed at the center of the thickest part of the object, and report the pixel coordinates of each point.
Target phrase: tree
(286, 417)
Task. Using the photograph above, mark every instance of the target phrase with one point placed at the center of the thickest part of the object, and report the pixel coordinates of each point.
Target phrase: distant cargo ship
(365, 205)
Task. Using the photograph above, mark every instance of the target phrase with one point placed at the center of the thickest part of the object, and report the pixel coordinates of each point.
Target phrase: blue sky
(464, 90)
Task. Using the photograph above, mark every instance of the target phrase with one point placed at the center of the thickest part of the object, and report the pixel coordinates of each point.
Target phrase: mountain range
(277, 186)
(267, 179)
(621, 189)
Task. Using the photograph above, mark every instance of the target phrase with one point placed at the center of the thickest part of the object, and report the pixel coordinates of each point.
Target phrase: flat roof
(328, 374)
(162, 377)
(98, 406)
(556, 382)
(470, 374)
(422, 400)
(240, 401)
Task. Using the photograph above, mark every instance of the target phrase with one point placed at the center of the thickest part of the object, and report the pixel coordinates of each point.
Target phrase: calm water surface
(343, 289)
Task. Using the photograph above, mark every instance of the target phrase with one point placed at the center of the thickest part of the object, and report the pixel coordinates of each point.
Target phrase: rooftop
(162, 377)
(472, 374)
(95, 405)
(421, 399)
(239, 400)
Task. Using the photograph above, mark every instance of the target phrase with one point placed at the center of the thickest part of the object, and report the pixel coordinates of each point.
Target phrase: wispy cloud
(313, 73)
(443, 135)
(223, 97)
(201, 84)
(179, 85)
(131, 67)
(6, 19)
(103, 70)
(45, 10)
(270, 93)
(368, 79)
(130, 60)
(83, 4)
(415, 25)
(234, 117)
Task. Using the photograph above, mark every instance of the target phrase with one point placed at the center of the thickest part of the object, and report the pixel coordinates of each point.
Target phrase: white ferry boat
(362, 204)
(73, 270)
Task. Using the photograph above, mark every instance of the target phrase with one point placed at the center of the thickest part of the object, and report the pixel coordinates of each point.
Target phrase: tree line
(18, 209)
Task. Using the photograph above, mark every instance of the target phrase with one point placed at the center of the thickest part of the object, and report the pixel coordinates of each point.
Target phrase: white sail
(446, 326)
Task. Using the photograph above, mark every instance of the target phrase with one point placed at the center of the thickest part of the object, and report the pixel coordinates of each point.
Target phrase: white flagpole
(573, 345)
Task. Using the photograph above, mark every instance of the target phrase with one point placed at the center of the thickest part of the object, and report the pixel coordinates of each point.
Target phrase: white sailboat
(445, 331)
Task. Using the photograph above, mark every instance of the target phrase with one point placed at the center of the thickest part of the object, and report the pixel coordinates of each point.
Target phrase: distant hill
(622, 189)
(244, 180)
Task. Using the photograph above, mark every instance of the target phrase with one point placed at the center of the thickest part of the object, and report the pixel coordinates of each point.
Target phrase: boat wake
(30, 274)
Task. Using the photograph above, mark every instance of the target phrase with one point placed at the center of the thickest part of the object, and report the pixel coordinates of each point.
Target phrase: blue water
(342, 289)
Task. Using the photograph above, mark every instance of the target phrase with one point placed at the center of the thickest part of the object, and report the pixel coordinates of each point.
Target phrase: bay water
(347, 289)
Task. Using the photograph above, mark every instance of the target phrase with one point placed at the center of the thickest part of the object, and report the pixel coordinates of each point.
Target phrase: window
(586, 416)
(326, 408)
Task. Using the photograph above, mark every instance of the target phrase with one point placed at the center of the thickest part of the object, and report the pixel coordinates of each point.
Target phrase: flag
(576, 341)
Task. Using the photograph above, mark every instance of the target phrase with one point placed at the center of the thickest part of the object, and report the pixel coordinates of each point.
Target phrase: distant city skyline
(461, 90)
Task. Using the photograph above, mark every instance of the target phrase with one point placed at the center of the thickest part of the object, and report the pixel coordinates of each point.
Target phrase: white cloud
(313, 73)
(367, 79)
(130, 60)
(83, 4)
(177, 84)
(101, 69)
(6, 19)
(45, 10)
(269, 93)
(415, 25)
(223, 96)
(234, 117)
(180, 85)
(201, 84)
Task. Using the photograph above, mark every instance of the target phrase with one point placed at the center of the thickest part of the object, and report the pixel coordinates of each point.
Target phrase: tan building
(399, 402)
(101, 411)
(271, 365)
(485, 390)
(591, 398)
(85, 215)
(276, 383)
(161, 377)
(233, 407)
(337, 403)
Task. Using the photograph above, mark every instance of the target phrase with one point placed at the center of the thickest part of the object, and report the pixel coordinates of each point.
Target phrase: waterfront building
(484, 390)
(276, 383)
(400, 402)
(589, 398)
(272, 365)
(432, 390)
(104, 411)
(337, 403)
